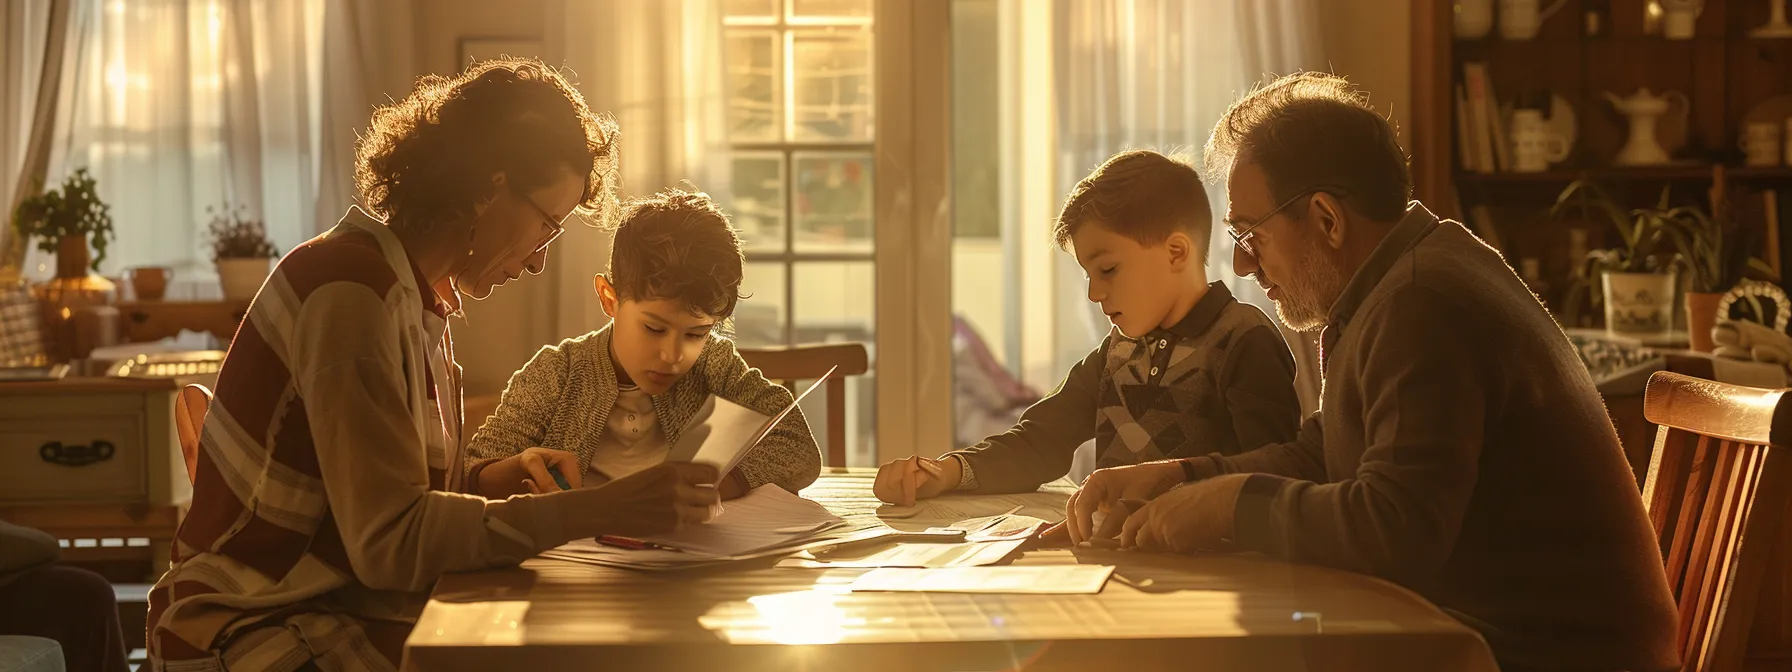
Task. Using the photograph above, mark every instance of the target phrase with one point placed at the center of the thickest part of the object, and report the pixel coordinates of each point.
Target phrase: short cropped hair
(1142, 195)
(429, 158)
(1310, 130)
(678, 245)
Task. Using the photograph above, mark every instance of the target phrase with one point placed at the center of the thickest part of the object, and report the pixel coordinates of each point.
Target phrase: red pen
(634, 544)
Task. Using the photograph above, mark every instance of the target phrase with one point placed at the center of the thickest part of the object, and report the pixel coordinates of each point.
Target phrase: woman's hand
(656, 500)
(527, 472)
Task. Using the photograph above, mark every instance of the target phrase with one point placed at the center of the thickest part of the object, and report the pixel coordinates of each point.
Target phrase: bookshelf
(1725, 75)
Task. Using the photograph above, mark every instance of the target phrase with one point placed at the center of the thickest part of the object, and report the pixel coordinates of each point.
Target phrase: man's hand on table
(1103, 490)
(903, 482)
(1194, 517)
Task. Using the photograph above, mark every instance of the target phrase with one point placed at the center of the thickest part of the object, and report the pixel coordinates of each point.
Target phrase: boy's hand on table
(656, 500)
(903, 482)
(527, 471)
(1104, 489)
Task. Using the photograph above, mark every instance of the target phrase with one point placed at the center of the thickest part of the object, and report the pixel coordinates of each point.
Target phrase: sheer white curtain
(368, 58)
(1157, 74)
(658, 68)
(33, 47)
(181, 105)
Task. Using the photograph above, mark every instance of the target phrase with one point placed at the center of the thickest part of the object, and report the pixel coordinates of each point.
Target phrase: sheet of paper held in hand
(722, 432)
(1029, 580)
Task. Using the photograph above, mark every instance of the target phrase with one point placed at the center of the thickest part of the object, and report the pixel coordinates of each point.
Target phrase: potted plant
(243, 252)
(65, 221)
(1637, 279)
(1715, 252)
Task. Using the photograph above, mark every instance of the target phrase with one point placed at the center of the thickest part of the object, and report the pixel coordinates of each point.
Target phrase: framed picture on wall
(481, 48)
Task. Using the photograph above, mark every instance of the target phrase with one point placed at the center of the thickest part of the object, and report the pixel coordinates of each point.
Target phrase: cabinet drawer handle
(76, 455)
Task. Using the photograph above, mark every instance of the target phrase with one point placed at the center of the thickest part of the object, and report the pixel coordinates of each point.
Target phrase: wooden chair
(1717, 487)
(808, 362)
(190, 405)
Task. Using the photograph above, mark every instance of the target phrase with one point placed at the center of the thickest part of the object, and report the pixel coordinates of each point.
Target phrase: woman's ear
(606, 294)
(491, 194)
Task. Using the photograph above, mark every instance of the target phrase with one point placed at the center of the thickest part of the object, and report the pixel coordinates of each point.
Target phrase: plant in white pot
(1637, 279)
(243, 252)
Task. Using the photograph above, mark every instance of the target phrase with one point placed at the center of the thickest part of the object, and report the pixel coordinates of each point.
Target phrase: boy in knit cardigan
(612, 402)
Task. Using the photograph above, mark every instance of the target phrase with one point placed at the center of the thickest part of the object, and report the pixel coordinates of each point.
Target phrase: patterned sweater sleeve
(525, 409)
(788, 455)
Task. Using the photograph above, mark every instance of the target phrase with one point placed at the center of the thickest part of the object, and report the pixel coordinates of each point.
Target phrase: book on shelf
(1481, 114)
(1465, 144)
(1502, 147)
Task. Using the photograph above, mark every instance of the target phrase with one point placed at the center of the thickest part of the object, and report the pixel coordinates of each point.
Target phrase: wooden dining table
(1159, 611)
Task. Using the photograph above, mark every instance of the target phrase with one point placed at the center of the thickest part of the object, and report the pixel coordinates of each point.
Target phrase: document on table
(767, 517)
(932, 555)
(767, 521)
(722, 432)
(1023, 580)
(949, 509)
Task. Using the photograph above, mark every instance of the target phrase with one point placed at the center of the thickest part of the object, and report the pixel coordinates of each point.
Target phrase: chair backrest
(808, 362)
(190, 405)
(1717, 488)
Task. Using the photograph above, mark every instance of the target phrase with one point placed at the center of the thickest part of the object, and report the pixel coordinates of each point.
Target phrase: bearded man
(1461, 450)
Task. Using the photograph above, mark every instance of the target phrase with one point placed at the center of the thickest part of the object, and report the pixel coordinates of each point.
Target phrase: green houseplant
(64, 221)
(1639, 276)
(242, 250)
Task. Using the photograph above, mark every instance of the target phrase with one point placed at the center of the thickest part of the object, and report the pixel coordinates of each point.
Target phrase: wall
(1369, 42)
(500, 334)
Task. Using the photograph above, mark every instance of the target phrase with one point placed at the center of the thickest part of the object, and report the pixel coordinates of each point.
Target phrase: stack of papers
(768, 517)
(1030, 580)
(950, 509)
(767, 521)
(916, 555)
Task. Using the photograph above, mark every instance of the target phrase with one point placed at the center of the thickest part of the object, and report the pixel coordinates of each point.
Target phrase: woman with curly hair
(329, 493)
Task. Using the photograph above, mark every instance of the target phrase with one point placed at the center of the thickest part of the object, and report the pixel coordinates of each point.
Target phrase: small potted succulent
(243, 252)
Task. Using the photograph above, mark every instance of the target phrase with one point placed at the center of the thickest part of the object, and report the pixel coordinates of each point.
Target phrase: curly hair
(429, 158)
(1142, 195)
(1313, 129)
(678, 245)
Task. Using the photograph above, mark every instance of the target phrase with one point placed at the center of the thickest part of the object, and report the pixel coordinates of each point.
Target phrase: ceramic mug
(1534, 144)
(1680, 20)
(1760, 143)
(150, 283)
(1521, 19)
(1473, 19)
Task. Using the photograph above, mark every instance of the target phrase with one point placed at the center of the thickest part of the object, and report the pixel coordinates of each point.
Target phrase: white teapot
(1644, 109)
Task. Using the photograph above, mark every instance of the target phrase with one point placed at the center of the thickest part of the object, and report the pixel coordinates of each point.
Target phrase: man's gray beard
(1308, 295)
